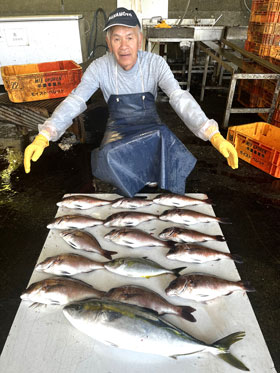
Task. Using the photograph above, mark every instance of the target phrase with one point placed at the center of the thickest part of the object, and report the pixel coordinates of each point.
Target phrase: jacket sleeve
(73, 105)
(185, 106)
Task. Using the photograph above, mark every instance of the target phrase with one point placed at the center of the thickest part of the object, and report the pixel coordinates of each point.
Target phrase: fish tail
(170, 244)
(224, 221)
(219, 237)
(224, 344)
(236, 258)
(208, 201)
(108, 254)
(186, 313)
(247, 286)
(177, 271)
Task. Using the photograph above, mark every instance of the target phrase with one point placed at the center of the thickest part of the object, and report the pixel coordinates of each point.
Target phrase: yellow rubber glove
(34, 151)
(162, 24)
(226, 149)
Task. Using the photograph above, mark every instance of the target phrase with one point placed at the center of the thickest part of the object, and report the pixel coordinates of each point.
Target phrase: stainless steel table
(234, 59)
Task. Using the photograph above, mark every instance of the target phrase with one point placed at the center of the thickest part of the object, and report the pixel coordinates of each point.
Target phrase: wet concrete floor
(249, 197)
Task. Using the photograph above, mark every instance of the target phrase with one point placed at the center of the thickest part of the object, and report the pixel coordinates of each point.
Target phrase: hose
(94, 31)
(249, 10)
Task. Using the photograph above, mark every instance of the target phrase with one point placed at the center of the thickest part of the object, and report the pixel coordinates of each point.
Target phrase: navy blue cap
(122, 17)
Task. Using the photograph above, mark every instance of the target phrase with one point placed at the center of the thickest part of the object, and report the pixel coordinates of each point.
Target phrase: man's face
(124, 43)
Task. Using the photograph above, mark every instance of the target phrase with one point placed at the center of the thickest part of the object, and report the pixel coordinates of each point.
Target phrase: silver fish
(74, 222)
(128, 219)
(177, 200)
(134, 328)
(187, 235)
(82, 202)
(189, 217)
(131, 203)
(59, 291)
(143, 297)
(81, 240)
(139, 267)
(68, 265)
(191, 253)
(203, 287)
(134, 238)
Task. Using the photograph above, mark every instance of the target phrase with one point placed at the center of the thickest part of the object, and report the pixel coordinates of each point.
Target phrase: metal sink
(195, 33)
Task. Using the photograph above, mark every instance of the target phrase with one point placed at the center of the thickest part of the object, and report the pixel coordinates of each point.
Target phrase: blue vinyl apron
(138, 148)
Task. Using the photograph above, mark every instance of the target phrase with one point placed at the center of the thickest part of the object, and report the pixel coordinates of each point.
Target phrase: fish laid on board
(68, 265)
(74, 222)
(59, 291)
(143, 297)
(134, 238)
(189, 217)
(82, 202)
(139, 267)
(177, 200)
(203, 288)
(192, 253)
(187, 235)
(81, 240)
(131, 203)
(128, 219)
(137, 329)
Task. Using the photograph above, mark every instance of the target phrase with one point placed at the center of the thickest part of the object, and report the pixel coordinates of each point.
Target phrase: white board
(42, 340)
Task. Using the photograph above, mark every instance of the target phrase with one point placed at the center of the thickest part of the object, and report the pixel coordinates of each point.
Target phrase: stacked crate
(263, 39)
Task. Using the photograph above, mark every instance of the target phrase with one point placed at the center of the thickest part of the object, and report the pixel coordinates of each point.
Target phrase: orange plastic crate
(270, 51)
(42, 81)
(269, 39)
(265, 17)
(264, 28)
(258, 144)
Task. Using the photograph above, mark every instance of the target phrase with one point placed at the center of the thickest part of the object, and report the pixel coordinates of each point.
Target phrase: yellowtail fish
(74, 222)
(203, 288)
(68, 265)
(81, 240)
(177, 200)
(82, 202)
(187, 235)
(139, 267)
(143, 297)
(134, 328)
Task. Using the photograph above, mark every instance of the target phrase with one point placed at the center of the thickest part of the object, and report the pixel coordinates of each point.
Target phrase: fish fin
(35, 305)
(224, 343)
(170, 244)
(173, 357)
(111, 344)
(208, 201)
(219, 238)
(108, 254)
(186, 313)
(224, 221)
(177, 271)
(228, 293)
(236, 258)
(246, 285)
(232, 360)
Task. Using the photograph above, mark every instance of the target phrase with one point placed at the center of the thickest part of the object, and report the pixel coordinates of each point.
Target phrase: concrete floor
(249, 197)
